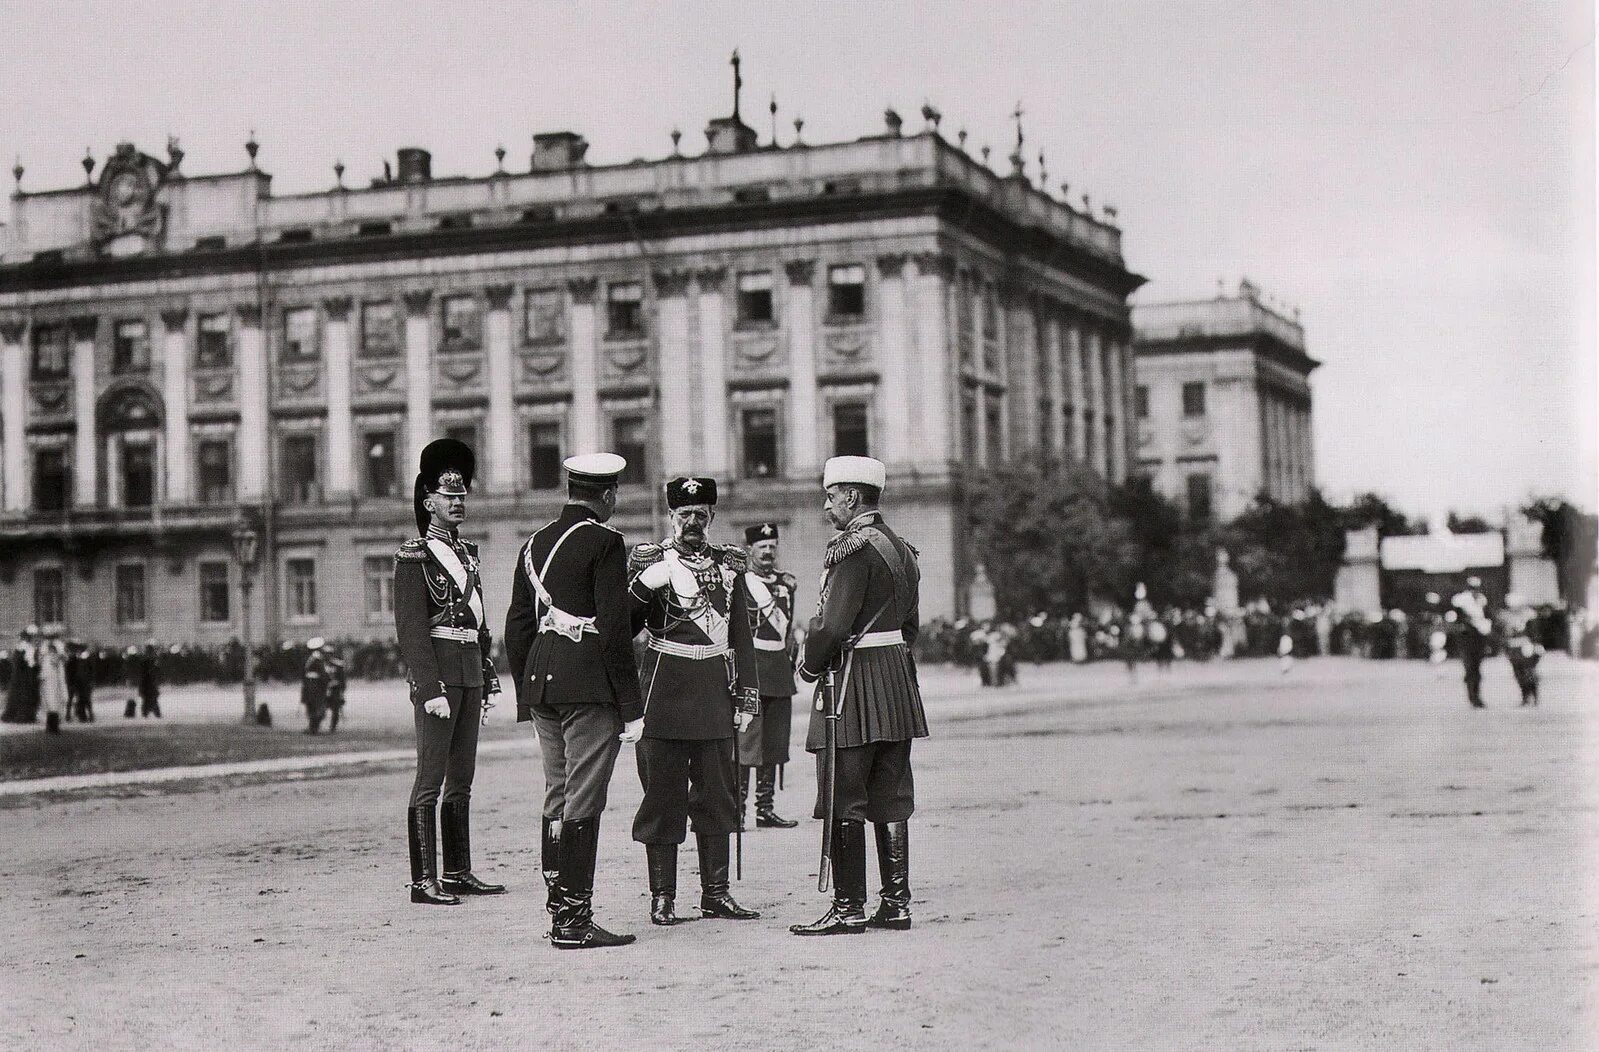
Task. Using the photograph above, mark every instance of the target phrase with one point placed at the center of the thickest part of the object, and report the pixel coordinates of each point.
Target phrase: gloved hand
(655, 575)
(488, 703)
(742, 720)
(632, 730)
(439, 707)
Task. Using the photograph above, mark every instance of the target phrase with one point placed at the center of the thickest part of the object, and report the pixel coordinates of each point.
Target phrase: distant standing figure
(80, 682)
(338, 679)
(1472, 606)
(1285, 650)
(53, 681)
(314, 685)
(1521, 648)
(1077, 640)
(22, 703)
(148, 669)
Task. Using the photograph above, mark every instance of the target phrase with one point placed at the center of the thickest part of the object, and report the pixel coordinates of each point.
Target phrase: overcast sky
(1416, 177)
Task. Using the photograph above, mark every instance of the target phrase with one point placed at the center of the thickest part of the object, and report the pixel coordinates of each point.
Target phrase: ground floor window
(214, 598)
(49, 596)
(300, 588)
(379, 571)
(130, 594)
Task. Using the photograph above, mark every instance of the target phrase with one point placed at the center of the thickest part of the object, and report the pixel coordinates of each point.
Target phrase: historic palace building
(1223, 403)
(178, 352)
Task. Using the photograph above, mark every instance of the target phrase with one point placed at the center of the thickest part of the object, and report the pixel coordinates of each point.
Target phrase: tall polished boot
(766, 817)
(425, 888)
(455, 821)
(847, 915)
(894, 862)
(662, 862)
(550, 863)
(715, 898)
(574, 917)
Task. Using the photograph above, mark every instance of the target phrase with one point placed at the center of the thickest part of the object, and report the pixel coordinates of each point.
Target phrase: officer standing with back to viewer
(570, 644)
(763, 745)
(439, 622)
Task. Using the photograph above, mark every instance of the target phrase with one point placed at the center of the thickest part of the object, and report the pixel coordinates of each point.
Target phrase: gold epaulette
(788, 578)
(844, 545)
(733, 557)
(643, 555)
(414, 550)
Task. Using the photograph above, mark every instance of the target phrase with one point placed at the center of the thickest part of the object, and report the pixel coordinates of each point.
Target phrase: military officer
(338, 684)
(314, 685)
(865, 626)
(445, 641)
(569, 639)
(700, 687)
(764, 744)
(1475, 630)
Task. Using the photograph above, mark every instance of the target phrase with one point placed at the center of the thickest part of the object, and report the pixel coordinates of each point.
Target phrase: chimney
(553, 151)
(416, 165)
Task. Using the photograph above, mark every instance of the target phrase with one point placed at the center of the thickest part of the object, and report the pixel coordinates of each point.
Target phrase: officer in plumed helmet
(445, 642)
(763, 746)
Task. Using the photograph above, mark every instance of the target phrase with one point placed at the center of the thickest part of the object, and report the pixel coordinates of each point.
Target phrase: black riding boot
(574, 918)
(894, 862)
(766, 817)
(424, 863)
(455, 820)
(847, 915)
(550, 862)
(661, 860)
(715, 898)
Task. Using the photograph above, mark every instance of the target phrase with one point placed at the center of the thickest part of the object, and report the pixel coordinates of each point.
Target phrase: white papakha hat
(862, 470)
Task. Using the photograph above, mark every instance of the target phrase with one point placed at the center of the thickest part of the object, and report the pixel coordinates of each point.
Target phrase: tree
(1468, 524)
(1175, 558)
(1371, 509)
(1569, 539)
(1286, 553)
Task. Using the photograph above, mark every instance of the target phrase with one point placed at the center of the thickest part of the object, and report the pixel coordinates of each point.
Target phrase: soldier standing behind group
(80, 682)
(700, 687)
(338, 680)
(444, 638)
(570, 644)
(314, 685)
(148, 670)
(865, 627)
(763, 745)
(1475, 628)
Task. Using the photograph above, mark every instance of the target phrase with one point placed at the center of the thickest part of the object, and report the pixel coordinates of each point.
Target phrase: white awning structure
(1444, 553)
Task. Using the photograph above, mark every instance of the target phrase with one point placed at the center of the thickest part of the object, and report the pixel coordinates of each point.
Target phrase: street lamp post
(245, 542)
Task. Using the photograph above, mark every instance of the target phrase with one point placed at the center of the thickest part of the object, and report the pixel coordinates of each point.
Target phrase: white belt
(569, 625)
(894, 638)
(770, 644)
(460, 635)
(693, 651)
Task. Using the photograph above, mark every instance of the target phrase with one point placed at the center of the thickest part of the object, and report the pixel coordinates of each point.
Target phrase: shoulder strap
(537, 577)
(902, 573)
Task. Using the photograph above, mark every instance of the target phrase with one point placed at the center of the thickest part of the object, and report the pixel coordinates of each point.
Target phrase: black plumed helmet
(446, 466)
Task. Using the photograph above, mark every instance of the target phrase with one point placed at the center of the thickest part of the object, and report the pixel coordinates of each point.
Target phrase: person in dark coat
(147, 669)
(80, 682)
(701, 687)
(22, 699)
(338, 682)
(1471, 606)
(569, 640)
(864, 630)
(763, 745)
(445, 640)
(314, 685)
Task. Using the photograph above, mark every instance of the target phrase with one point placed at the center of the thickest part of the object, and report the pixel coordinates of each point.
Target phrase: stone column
(1021, 382)
(501, 424)
(252, 444)
(676, 377)
(895, 390)
(1116, 408)
(341, 423)
(1093, 400)
(713, 370)
(586, 436)
(1077, 382)
(13, 414)
(804, 453)
(1057, 383)
(175, 393)
(935, 355)
(418, 376)
(85, 454)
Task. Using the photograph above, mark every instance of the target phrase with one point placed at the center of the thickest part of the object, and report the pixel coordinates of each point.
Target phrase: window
(464, 432)
(300, 588)
(758, 429)
(846, 291)
(299, 466)
(215, 459)
(462, 330)
(1199, 498)
(379, 572)
(1194, 398)
(50, 482)
(992, 422)
(130, 594)
(299, 335)
(379, 476)
(546, 316)
(49, 595)
(130, 347)
(629, 437)
(51, 352)
(1141, 402)
(755, 298)
(1046, 427)
(624, 309)
(210, 244)
(990, 312)
(214, 604)
(851, 433)
(295, 235)
(969, 428)
(379, 228)
(138, 474)
(213, 351)
(544, 454)
(380, 330)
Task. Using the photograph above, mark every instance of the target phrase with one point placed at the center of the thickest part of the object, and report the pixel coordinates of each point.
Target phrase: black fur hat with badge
(446, 466)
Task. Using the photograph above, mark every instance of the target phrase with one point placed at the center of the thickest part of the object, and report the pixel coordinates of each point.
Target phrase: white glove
(632, 731)
(655, 575)
(439, 707)
(488, 703)
(742, 720)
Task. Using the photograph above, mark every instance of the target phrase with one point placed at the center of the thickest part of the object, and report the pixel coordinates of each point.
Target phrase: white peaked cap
(596, 468)
(863, 470)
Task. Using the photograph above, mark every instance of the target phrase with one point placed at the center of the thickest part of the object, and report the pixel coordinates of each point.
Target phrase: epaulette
(843, 546)
(643, 555)
(733, 557)
(414, 550)
(915, 551)
(470, 546)
(788, 578)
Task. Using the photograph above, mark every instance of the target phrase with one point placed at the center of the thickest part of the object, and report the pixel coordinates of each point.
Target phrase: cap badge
(691, 487)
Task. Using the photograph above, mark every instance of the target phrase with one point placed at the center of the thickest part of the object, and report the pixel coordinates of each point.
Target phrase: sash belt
(569, 625)
(894, 638)
(692, 651)
(770, 644)
(460, 635)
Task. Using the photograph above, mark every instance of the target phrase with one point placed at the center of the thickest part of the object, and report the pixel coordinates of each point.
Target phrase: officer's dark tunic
(314, 687)
(577, 691)
(438, 603)
(882, 704)
(700, 664)
(772, 601)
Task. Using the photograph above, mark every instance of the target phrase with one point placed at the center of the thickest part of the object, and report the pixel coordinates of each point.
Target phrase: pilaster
(585, 366)
(804, 452)
(713, 370)
(501, 424)
(252, 439)
(85, 462)
(896, 388)
(418, 375)
(341, 452)
(14, 478)
(676, 384)
(175, 395)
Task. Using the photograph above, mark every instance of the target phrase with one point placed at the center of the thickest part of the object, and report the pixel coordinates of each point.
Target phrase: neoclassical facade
(178, 350)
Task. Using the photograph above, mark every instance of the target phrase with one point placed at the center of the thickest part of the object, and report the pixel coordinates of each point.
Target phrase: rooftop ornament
(960, 139)
(88, 166)
(931, 116)
(499, 159)
(174, 154)
(16, 173)
(799, 126)
(893, 121)
(772, 108)
(677, 137)
(338, 174)
(252, 148)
